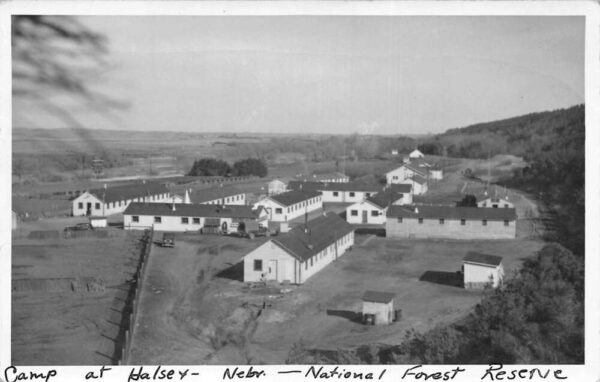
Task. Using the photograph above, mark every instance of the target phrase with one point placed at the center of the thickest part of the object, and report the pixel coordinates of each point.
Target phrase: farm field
(196, 309)
(55, 323)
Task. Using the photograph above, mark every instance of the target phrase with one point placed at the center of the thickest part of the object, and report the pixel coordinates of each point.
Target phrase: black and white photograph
(295, 188)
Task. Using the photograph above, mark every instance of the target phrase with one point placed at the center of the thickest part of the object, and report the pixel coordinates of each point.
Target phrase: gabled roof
(384, 198)
(481, 258)
(128, 192)
(418, 170)
(418, 179)
(380, 297)
(292, 197)
(197, 210)
(332, 186)
(213, 193)
(400, 188)
(306, 240)
(452, 213)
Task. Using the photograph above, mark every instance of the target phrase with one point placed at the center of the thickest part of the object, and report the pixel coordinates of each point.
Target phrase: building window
(463, 222)
(278, 210)
(374, 213)
(441, 221)
(352, 194)
(185, 220)
(157, 219)
(196, 220)
(335, 193)
(484, 222)
(395, 177)
(305, 265)
(399, 220)
(420, 220)
(311, 261)
(506, 206)
(80, 206)
(97, 206)
(135, 219)
(353, 212)
(258, 265)
(506, 222)
(368, 194)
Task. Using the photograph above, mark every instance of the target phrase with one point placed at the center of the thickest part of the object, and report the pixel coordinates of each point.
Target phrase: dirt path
(164, 301)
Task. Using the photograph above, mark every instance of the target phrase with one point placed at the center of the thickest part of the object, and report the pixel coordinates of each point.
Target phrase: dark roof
(199, 210)
(292, 197)
(447, 212)
(306, 240)
(128, 192)
(332, 186)
(401, 188)
(481, 258)
(419, 179)
(208, 194)
(384, 198)
(381, 297)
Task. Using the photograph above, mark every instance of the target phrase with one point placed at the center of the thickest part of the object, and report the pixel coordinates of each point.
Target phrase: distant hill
(522, 136)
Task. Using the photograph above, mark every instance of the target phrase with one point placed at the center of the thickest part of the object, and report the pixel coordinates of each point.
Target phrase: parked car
(168, 240)
(253, 229)
(79, 227)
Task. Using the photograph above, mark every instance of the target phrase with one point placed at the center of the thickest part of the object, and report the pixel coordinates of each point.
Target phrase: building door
(364, 216)
(272, 270)
(88, 210)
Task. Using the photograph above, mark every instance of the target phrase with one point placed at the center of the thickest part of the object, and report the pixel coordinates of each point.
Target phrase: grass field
(54, 325)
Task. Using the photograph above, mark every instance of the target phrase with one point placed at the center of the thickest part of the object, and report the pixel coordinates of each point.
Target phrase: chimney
(105, 186)
(143, 181)
(173, 204)
(416, 210)
(186, 198)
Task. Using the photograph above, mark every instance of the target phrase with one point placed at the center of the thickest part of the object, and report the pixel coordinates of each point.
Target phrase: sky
(338, 74)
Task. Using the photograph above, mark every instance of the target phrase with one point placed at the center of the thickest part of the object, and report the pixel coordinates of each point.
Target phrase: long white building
(113, 200)
(290, 205)
(300, 253)
(175, 217)
(451, 222)
(215, 195)
(350, 192)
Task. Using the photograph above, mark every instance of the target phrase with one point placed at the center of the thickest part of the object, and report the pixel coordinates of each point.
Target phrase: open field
(196, 309)
(53, 321)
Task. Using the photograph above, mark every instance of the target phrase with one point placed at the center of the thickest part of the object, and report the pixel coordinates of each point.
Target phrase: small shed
(482, 271)
(378, 308)
(98, 221)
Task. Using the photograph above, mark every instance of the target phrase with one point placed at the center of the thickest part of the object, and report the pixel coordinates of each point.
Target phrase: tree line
(218, 167)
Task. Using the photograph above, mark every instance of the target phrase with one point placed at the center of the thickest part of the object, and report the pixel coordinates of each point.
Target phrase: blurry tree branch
(57, 57)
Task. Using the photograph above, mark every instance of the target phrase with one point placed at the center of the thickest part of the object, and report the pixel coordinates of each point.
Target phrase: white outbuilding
(378, 308)
(419, 184)
(275, 187)
(482, 271)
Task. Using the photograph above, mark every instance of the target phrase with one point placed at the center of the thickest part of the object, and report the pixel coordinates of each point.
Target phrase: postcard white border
(590, 9)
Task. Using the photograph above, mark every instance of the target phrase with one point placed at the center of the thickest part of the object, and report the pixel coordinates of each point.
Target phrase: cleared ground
(51, 323)
(196, 309)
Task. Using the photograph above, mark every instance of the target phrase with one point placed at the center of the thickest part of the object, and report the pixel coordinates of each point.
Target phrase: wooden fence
(134, 295)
